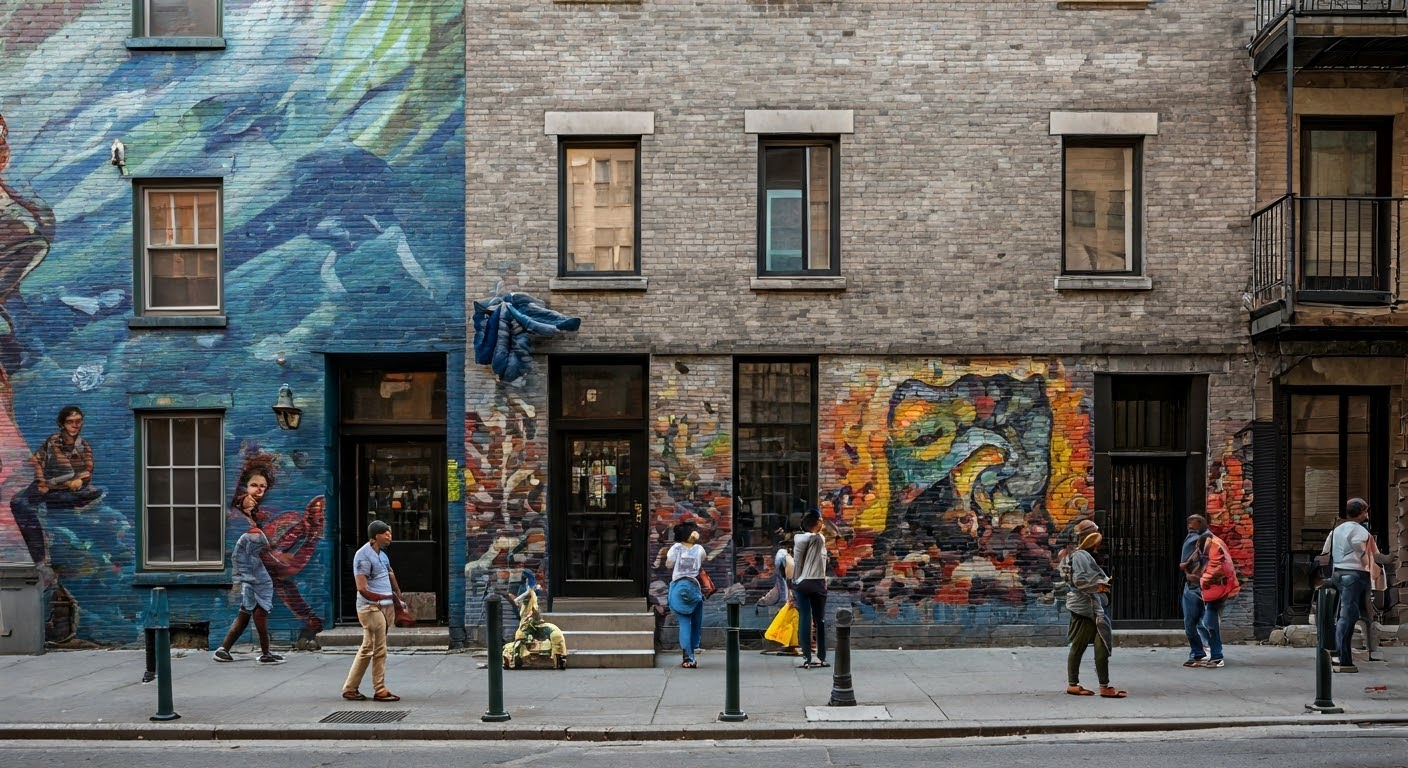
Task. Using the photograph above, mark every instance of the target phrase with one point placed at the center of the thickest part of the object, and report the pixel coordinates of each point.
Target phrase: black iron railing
(1342, 245)
(1270, 244)
(1268, 12)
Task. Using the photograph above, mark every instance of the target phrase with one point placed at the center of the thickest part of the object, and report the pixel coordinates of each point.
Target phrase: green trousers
(1080, 635)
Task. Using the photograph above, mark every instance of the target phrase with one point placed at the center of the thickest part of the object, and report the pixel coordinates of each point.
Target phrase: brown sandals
(385, 695)
(1076, 690)
(354, 696)
(1110, 692)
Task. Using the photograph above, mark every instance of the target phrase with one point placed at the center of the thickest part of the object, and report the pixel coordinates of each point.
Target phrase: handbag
(706, 584)
(404, 616)
(784, 627)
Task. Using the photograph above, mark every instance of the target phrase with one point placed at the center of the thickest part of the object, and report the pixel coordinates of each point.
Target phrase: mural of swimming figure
(293, 541)
(969, 464)
(26, 231)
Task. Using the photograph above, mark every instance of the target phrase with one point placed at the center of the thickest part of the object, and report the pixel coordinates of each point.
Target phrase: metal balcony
(1330, 34)
(1343, 251)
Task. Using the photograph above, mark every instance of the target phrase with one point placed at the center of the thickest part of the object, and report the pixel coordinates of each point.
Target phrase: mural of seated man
(63, 475)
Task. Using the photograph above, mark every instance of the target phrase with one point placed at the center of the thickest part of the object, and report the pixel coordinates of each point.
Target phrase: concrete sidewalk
(903, 694)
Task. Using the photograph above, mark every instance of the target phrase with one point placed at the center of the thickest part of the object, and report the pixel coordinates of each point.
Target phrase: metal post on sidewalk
(732, 712)
(842, 694)
(159, 617)
(494, 613)
(1324, 645)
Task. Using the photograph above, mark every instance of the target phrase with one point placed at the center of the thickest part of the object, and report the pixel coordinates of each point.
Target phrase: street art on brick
(950, 483)
(333, 132)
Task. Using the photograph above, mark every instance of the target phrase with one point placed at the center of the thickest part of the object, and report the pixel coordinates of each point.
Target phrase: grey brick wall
(950, 185)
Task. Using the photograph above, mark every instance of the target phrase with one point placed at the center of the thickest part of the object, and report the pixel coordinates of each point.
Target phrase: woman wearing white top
(809, 589)
(686, 557)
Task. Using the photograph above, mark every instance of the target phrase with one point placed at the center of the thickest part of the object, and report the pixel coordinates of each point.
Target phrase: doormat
(376, 716)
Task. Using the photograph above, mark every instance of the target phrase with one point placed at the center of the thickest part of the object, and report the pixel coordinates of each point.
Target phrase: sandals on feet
(1076, 690)
(353, 696)
(816, 664)
(385, 695)
(1110, 692)
(688, 664)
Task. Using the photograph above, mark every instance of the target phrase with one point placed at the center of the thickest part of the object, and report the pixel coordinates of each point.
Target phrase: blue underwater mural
(335, 133)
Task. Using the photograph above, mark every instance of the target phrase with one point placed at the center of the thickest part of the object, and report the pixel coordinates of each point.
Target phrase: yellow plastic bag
(784, 626)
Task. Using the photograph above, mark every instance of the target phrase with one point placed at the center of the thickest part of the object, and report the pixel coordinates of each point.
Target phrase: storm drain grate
(381, 716)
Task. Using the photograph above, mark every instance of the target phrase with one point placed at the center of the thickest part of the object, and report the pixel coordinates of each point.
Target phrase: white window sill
(619, 284)
(1104, 283)
(1109, 5)
(828, 283)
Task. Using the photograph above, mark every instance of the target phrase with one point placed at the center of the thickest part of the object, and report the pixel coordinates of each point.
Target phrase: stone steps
(350, 637)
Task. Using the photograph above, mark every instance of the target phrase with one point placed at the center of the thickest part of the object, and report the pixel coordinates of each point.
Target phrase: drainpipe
(1290, 289)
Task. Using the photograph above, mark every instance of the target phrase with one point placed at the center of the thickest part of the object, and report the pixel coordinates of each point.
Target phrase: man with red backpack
(1218, 583)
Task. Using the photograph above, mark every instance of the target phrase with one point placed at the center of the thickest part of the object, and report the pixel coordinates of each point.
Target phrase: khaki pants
(374, 619)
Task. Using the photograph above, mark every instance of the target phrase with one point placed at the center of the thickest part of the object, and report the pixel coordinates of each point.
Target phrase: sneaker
(1212, 664)
(222, 655)
(1344, 668)
(271, 659)
(1194, 661)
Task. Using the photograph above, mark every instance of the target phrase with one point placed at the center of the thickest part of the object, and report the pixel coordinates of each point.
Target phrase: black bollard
(160, 620)
(1324, 645)
(494, 613)
(732, 712)
(150, 674)
(842, 695)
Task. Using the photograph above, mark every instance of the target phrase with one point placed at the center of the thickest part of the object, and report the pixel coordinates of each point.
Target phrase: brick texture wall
(337, 131)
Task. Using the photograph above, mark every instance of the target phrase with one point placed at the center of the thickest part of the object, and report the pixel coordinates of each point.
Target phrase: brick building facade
(957, 274)
(290, 212)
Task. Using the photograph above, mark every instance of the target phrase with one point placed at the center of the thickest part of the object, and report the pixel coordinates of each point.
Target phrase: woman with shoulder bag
(809, 587)
(686, 558)
(1218, 584)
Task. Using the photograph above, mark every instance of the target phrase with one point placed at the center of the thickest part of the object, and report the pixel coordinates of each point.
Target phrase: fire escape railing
(1342, 249)
(1269, 12)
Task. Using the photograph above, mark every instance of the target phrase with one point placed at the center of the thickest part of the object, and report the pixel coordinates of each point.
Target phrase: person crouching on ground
(378, 594)
(1087, 601)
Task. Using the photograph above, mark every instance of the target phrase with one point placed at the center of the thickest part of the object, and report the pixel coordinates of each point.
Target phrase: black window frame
(596, 142)
(833, 143)
(810, 498)
(1135, 258)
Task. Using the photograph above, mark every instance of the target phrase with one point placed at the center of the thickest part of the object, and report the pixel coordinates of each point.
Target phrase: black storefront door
(602, 547)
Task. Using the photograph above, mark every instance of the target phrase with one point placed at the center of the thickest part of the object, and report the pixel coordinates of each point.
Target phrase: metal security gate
(1143, 539)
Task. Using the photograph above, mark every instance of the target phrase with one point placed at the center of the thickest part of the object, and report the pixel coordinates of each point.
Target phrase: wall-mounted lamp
(119, 156)
(285, 412)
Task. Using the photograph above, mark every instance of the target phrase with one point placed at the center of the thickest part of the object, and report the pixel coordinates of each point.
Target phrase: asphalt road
(1279, 747)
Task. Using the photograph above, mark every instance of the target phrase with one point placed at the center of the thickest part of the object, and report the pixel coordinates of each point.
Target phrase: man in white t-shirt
(1349, 551)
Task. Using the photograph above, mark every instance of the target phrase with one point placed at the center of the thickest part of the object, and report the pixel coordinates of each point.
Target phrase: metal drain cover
(373, 716)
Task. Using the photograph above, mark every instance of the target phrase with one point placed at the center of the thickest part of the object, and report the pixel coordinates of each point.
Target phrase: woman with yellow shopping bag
(784, 626)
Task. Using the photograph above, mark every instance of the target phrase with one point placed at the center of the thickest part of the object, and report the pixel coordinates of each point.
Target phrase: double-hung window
(177, 18)
(798, 214)
(182, 496)
(1101, 213)
(599, 208)
(179, 267)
